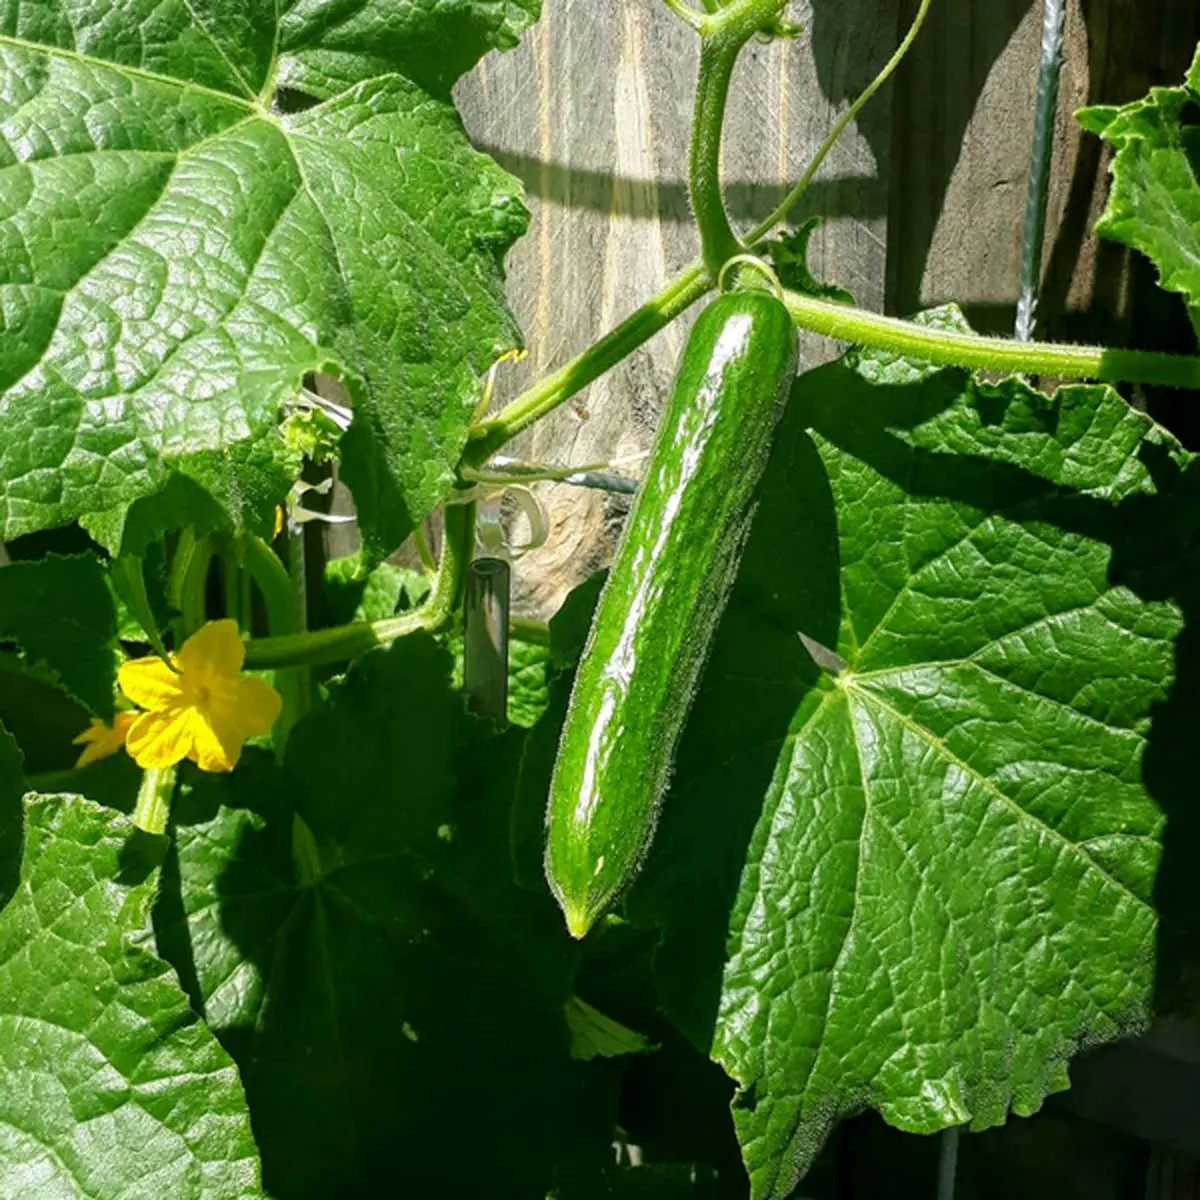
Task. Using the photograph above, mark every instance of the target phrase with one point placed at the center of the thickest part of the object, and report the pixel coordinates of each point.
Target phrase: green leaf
(382, 983)
(110, 1086)
(789, 256)
(593, 1035)
(327, 47)
(355, 591)
(40, 714)
(176, 254)
(12, 788)
(60, 613)
(529, 666)
(1154, 205)
(921, 884)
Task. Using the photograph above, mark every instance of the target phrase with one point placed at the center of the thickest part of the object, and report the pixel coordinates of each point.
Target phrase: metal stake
(485, 651)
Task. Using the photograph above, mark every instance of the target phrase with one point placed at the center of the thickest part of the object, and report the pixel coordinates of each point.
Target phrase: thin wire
(1034, 236)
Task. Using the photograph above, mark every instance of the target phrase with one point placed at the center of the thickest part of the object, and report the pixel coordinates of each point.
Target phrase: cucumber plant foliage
(926, 832)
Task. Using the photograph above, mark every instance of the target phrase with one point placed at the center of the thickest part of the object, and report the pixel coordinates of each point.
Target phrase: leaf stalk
(343, 642)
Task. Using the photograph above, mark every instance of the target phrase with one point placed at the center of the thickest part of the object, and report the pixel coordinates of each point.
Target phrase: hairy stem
(990, 353)
(717, 240)
(280, 593)
(194, 590)
(547, 394)
(344, 642)
(153, 805)
(686, 13)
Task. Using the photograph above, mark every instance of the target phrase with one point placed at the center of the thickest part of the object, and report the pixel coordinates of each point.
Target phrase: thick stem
(548, 393)
(194, 598)
(717, 240)
(279, 590)
(349, 641)
(153, 805)
(990, 353)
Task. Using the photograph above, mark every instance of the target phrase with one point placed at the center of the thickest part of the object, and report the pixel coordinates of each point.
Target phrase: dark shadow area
(746, 201)
(377, 977)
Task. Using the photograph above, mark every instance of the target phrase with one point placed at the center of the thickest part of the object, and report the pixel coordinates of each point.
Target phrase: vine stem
(344, 642)
(943, 348)
(281, 591)
(717, 240)
(685, 12)
(547, 394)
(153, 806)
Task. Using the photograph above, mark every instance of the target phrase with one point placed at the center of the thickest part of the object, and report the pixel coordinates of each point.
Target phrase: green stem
(153, 805)
(344, 642)
(195, 586)
(423, 551)
(279, 591)
(230, 571)
(274, 583)
(686, 13)
(990, 353)
(181, 560)
(724, 33)
(839, 127)
(547, 394)
(717, 240)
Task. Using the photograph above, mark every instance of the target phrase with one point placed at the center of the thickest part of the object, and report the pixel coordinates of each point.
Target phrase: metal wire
(1034, 236)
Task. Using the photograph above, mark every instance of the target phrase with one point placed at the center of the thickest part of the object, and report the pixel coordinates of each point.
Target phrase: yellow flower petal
(150, 683)
(216, 746)
(160, 739)
(101, 740)
(214, 649)
(257, 706)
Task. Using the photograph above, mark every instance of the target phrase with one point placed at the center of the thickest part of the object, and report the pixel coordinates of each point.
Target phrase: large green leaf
(1155, 201)
(176, 253)
(372, 968)
(920, 884)
(60, 613)
(110, 1086)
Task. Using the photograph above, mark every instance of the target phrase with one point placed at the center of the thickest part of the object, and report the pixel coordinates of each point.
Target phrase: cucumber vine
(723, 32)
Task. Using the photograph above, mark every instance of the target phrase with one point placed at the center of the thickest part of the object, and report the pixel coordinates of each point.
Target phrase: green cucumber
(668, 586)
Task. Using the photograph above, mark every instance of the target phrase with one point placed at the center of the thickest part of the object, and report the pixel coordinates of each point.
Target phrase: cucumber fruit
(670, 580)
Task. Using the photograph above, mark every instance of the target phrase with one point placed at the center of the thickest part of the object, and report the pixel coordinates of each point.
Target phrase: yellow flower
(199, 707)
(101, 740)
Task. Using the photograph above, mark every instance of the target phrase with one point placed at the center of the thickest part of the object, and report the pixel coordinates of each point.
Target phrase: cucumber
(668, 586)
